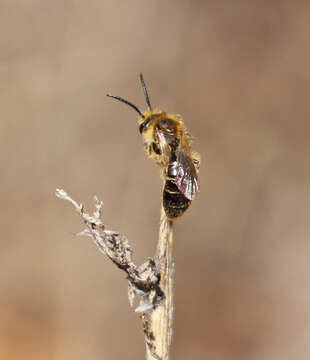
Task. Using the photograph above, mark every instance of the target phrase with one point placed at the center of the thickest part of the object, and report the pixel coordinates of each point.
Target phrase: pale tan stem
(161, 318)
(152, 282)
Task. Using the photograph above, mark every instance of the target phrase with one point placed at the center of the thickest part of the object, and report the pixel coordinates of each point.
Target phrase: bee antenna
(128, 103)
(146, 95)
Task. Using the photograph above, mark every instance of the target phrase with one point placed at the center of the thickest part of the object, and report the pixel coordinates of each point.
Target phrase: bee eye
(141, 127)
(144, 125)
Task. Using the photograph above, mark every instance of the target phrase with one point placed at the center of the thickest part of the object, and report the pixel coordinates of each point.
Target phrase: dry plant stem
(151, 282)
(161, 318)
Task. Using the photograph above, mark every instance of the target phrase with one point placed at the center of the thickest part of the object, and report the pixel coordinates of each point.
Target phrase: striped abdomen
(175, 203)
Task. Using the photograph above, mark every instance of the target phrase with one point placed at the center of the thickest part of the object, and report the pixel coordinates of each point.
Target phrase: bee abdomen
(174, 202)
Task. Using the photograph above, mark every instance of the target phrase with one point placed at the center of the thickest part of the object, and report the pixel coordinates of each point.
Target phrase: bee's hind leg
(196, 160)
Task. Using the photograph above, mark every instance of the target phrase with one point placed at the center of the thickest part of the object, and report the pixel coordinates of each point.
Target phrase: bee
(168, 143)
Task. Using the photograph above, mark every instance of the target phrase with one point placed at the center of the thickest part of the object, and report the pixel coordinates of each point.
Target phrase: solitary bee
(168, 143)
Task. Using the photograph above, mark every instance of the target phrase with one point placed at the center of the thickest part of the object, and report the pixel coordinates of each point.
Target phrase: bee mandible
(168, 143)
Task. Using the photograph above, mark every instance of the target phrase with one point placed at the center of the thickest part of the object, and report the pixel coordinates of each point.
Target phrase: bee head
(146, 118)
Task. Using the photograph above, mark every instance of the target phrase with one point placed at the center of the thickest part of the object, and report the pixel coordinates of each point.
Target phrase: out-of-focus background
(239, 74)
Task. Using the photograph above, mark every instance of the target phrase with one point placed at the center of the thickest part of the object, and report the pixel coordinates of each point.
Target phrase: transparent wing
(187, 177)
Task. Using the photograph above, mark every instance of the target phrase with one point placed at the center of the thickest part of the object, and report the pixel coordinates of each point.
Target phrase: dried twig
(151, 282)
(161, 318)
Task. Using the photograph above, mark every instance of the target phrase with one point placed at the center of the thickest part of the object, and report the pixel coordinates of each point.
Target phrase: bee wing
(187, 177)
(164, 148)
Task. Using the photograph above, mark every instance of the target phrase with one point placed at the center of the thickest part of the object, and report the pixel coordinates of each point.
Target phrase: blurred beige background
(239, 74)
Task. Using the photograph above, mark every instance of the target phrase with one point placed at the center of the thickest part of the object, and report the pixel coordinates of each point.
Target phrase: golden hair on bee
(168, 143)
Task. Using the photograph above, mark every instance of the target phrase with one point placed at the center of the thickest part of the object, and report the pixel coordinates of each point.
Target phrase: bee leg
(156, 148)
(196, 160)
(150, 150)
